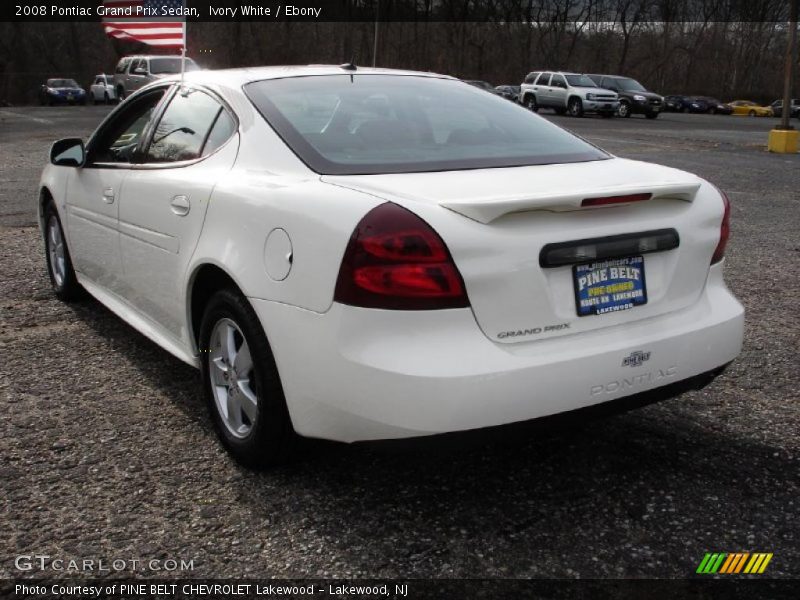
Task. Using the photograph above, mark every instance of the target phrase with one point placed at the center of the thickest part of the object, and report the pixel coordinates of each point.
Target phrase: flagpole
(183, 52)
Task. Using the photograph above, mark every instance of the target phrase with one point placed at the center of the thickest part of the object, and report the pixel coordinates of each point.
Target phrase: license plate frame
(610, 285)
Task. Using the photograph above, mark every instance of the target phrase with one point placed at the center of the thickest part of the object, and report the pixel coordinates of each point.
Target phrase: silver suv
(571, 93)
(133, 72)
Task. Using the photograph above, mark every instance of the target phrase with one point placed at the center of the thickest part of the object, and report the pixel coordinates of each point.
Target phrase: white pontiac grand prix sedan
(359, 254)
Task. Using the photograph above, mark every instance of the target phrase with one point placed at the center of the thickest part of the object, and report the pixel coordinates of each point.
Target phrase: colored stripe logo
(730, 563)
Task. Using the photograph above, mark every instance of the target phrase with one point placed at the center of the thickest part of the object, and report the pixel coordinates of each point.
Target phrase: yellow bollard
(784, 141)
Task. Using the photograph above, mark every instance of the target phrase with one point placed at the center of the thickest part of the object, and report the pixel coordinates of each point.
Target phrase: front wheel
(624, 110)
(241, 382)
(59, 263)
(530, 103)
(575, 107)
(752, 113)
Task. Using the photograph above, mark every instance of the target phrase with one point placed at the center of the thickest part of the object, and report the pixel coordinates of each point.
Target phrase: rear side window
(368, 124)
(544, 79)
(532, 77)
(192, 126)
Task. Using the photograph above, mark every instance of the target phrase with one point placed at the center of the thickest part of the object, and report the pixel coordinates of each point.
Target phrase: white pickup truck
(570, 93)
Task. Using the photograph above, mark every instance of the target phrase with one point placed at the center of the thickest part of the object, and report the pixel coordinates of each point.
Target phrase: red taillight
(724, 229)
(615, 199)
(395, 260)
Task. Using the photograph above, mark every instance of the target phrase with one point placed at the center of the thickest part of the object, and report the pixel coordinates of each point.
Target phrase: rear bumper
(356, 374)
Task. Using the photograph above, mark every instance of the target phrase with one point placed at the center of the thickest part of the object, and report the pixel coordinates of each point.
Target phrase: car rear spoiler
(487, 209)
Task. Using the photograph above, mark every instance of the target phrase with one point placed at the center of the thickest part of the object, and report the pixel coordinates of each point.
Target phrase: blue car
(62, 91)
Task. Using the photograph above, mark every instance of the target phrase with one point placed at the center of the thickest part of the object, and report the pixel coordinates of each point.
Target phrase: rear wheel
(575, 107)
(752, 113)
(624, 110)
(59, 263)
(530, 103)
(106, 99)
(241, 382)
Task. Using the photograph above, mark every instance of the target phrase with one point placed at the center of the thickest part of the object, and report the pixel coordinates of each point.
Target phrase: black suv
(633, 97)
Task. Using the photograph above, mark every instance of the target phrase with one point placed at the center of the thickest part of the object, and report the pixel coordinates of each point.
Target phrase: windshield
(62, 83)
(163, 66)
(630, 85)
(369, 124)
(580, 81)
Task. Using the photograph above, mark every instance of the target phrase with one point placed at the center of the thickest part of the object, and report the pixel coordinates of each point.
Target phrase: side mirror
(68, 152)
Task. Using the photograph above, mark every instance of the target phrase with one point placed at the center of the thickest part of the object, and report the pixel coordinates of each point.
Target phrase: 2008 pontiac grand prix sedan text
(374, 254)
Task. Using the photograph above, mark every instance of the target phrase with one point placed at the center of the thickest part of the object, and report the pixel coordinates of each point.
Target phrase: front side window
(367, 124)
(119, 138)
(544, 79)
(187, 129)
(122, 65)
(558, 81)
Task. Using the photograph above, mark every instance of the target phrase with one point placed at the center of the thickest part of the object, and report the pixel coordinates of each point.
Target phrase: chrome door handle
(108, 196)
(180, 205)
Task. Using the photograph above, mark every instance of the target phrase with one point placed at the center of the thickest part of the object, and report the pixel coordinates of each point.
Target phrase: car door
(93, 191)
(164, 201)
(558, 91)
(542, 90)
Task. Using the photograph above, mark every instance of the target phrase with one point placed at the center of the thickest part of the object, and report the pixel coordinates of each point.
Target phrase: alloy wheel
(232, 378)
(55, 251)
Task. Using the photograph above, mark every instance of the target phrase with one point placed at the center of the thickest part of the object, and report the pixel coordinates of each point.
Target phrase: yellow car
(751, 109)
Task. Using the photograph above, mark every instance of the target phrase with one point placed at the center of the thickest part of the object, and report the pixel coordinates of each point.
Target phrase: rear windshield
(370, 124)
(163, 66)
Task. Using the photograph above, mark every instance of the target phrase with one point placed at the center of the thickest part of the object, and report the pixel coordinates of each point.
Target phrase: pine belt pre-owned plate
(609, 285)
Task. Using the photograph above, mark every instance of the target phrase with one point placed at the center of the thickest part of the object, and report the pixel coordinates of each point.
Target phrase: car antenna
(350, 66)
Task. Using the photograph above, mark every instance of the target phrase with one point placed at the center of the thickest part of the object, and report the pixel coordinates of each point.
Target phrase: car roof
(236, 78)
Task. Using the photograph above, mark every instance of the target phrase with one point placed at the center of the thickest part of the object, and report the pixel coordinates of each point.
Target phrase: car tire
(712, 111)
(624, 110)
(575, 107)
(651, 115)
(752, 113)
(120, 94)
(530, 103)
(59, 262)
(243, 391)
(106, 99)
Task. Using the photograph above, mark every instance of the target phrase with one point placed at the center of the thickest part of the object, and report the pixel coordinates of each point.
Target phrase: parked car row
(131, 73)
(706, 104)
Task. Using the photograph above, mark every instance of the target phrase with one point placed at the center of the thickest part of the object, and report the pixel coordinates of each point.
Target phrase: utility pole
(375, 36)
(784, 138)
(791, 64)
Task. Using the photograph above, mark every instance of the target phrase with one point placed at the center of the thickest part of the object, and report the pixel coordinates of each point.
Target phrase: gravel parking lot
(108, 452)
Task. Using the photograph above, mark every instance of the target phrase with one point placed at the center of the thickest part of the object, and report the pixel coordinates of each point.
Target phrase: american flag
(145, 24)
